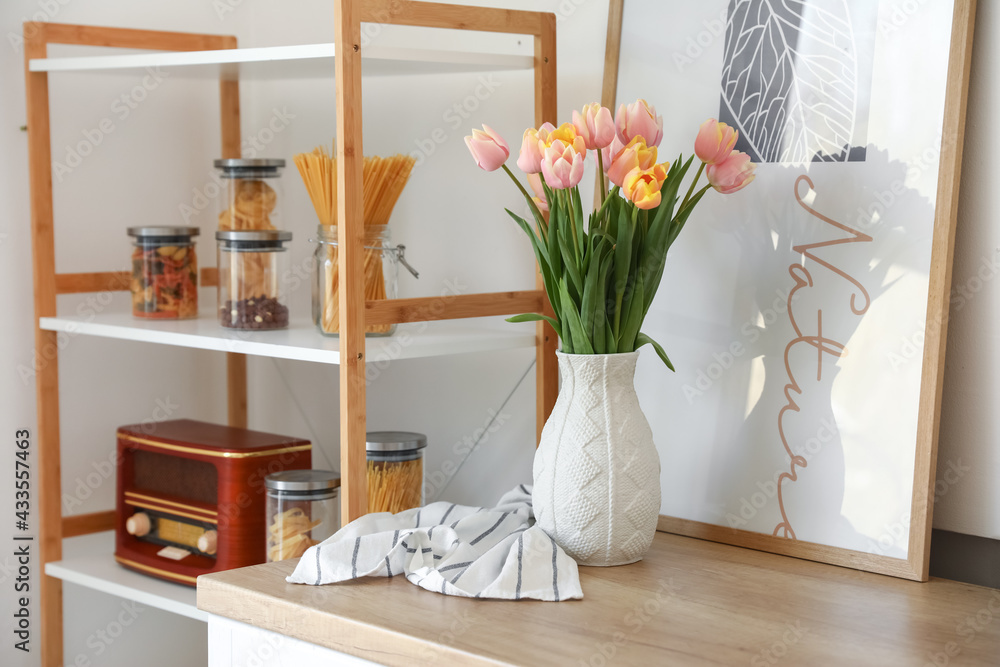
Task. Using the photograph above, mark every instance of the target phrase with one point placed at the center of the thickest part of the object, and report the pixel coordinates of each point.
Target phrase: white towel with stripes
(494, 553)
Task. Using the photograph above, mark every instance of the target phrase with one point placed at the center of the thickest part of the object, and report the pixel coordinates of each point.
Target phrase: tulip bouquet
(601, 272)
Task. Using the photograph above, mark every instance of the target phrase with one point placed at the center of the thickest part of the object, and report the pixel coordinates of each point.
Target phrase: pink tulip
(595, 125)
(639, 119)
(715, 142)
(733, 174)
(562, 166)
(634, 156)
(535, 181)
(533, 147)
(488, 148)
(608, 154)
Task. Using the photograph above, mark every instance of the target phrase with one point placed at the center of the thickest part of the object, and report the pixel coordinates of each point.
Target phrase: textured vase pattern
(596, 471)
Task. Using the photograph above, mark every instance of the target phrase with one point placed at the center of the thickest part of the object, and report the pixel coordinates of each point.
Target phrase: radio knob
(208, 542)
(138, 524)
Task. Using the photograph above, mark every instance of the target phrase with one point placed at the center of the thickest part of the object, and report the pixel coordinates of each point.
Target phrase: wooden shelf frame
(355, 312)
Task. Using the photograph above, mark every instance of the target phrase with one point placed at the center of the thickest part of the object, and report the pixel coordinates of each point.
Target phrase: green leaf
(669, 193)
(609, 338)
(623, 258)
(607, 207)
(633, 317)
(682, 217)
(569, 261)
(643, 339)
(541, 252)
(555, 257)
(592, 291)
(571, 320)
(578, 212)
(536, 317)
(600, 341)
(541, 256)
(602, 329)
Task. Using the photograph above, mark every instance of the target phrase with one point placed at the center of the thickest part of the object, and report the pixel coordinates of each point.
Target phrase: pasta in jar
(164, 281)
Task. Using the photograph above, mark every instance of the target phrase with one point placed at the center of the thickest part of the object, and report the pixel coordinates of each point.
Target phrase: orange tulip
(637, 155)
(642, 186)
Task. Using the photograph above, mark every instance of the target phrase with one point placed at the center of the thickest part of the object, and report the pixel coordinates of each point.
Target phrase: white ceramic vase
(596, 471)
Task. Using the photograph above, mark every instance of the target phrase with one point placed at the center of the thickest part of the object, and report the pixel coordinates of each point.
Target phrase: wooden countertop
(690, 602)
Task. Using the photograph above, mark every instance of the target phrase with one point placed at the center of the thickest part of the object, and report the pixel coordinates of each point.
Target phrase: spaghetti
(288, 536)
(394, 486)
(383, 180)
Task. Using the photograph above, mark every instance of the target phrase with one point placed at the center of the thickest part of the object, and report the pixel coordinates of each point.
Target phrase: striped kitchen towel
(494, 553)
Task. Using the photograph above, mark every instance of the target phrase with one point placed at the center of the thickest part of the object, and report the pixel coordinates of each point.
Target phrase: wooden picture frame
(914, 564)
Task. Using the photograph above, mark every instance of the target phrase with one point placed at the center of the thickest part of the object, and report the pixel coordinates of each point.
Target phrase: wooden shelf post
(350, 240)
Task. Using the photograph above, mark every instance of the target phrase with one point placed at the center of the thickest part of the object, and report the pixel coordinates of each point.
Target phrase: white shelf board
(302, 61)
(301, 341)
(88, 560)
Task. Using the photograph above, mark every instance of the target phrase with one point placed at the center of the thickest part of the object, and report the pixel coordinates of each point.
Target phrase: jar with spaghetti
(164, 281)
(253, 194)
(303, 509)
(395, 462)
(253, 266)
(381, 271)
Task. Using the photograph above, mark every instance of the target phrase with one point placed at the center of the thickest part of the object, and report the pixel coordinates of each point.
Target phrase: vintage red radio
(191, 496)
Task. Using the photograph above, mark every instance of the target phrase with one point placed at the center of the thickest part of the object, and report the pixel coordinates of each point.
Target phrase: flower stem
(568, 201)
(601, 174)
(531, 202)
(620, 293)
(685, 204)
(697, 177)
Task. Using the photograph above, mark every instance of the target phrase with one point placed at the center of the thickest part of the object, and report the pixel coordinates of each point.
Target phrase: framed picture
(807, 314)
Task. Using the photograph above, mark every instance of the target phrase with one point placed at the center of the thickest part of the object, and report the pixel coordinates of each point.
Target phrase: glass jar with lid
(164, 282)
(254, 193)
(381, 269)
(395, 470)
(303, 509)
(253, 266)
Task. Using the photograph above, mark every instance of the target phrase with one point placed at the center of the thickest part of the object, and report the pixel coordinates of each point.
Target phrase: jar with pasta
(395, 461)
(164, 281)
(254, 193)
(303, 509)
(253, 266)
(381, 271)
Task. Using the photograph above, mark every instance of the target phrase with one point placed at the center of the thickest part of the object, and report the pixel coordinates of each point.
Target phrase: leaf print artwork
(790, 80)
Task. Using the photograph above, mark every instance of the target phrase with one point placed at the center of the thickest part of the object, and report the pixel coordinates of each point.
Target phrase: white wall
(970, 421)
(450, 218)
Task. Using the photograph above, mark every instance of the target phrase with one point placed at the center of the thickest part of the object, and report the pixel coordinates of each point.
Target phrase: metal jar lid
(394, 441)
(259, 239)
(311, 482)
(257, 167)
(162, 232)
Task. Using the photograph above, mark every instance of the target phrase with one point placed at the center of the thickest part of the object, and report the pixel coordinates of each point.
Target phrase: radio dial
(208, 542)
(138, 524)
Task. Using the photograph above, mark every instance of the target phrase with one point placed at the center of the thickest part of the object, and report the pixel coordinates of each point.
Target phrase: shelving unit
(86, 562)
(300, 342)
(88, 552)
(302, 61)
